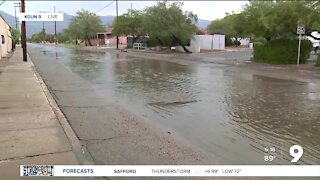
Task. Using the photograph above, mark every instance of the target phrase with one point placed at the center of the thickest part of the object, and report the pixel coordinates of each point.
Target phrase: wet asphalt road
(231, 117)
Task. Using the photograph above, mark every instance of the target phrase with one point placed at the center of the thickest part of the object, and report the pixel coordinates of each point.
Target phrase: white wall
(219, 41)
(202, 41)
(207, 42)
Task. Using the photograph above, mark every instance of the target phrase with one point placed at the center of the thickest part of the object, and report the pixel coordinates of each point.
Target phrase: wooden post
(23, 31)
(55, 29)
(117, 19)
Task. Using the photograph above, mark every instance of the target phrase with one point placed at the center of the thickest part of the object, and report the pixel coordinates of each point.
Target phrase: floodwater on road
(220, 112)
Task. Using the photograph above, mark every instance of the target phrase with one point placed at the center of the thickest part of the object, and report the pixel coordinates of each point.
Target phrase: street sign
(41, 17)
(301, 29)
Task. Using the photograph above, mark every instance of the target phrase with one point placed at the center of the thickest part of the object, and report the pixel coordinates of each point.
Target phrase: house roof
(108, 31)
(5, 20)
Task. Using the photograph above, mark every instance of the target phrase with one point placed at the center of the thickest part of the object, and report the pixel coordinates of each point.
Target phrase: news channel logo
(37, 170)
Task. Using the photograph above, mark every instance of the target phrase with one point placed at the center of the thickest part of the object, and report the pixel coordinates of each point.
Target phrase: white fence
(140, 46)
(205, 42)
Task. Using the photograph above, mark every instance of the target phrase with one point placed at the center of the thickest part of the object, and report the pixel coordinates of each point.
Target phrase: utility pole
(117, 19)
(55, 29)
(15, 16)
(43, 31)
(23, 31)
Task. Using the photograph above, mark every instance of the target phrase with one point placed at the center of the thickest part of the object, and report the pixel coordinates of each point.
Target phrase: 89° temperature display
(295, 151)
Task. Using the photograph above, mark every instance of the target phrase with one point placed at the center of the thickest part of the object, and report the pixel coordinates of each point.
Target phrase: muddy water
(230, 116)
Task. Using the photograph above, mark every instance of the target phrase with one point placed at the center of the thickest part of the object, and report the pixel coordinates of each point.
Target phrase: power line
(105, 6)
(2, 2)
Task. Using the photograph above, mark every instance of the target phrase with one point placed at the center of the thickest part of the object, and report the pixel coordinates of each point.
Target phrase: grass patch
(317, 62)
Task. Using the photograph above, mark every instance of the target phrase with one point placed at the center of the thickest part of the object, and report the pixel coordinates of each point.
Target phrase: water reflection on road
(225, 114)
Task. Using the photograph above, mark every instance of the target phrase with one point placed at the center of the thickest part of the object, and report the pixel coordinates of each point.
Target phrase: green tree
(38, 37)
(15, 35)
(84, 26)
(130, 23)
(232, 25)
(64, 36)
(169, 25)
(277, 19)
(224, 26)
(49, 38)
(269, 19)
(42, 35)
(316, 24)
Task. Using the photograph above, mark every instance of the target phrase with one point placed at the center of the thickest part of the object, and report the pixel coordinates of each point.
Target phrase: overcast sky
(208, 10)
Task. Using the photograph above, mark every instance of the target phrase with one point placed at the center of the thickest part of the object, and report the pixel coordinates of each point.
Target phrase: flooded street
(231, 116)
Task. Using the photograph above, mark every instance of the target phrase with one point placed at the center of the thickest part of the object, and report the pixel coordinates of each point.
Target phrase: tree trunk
(13, 47)
(88, 40)
(179, 42)
(185, 49)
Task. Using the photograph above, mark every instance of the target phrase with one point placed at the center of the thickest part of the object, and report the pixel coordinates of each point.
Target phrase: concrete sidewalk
(32, 128)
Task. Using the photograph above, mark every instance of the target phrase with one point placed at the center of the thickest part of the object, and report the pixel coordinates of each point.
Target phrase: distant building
(108, 39)
(203, 31)
(5, 38)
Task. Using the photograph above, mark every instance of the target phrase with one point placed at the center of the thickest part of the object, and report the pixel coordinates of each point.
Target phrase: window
(2, 39)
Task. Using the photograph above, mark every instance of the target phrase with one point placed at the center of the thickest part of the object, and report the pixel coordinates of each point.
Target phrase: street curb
(82, 155)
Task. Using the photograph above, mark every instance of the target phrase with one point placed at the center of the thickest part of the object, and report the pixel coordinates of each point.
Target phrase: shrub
(151, 42)
(281, 51)
(258, 44)
(259, 40)
(318, 62)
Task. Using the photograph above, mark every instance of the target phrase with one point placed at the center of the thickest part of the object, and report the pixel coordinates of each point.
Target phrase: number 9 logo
(296, 152)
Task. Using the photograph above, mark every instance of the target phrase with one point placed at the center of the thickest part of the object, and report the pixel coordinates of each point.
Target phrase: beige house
(107, 38)
(5, 38)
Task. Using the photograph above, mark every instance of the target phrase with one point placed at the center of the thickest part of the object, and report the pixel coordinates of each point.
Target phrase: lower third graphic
(37, 170)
